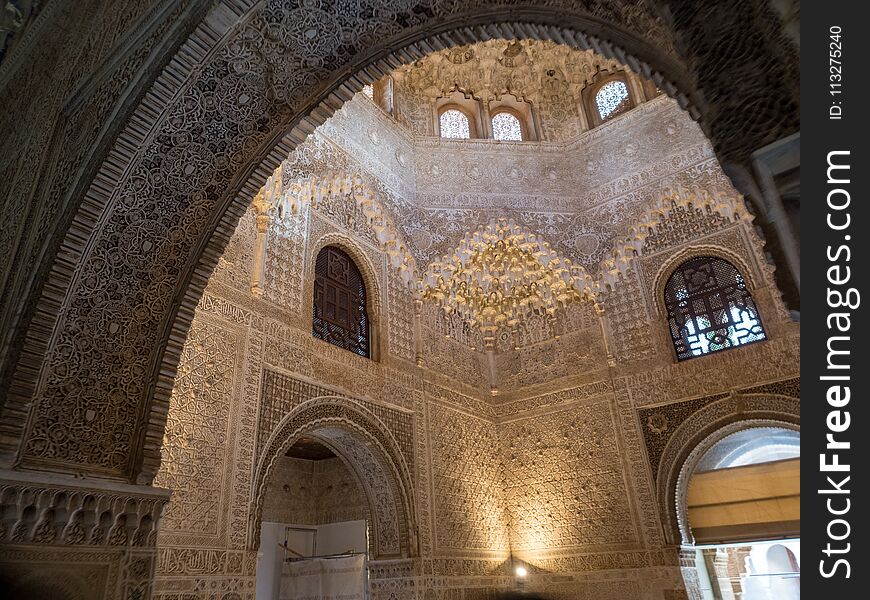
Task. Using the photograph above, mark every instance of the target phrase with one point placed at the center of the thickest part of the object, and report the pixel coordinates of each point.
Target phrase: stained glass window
(505, 126)
(340, 316)
(454, 124)
(612, 99)
(710, 308)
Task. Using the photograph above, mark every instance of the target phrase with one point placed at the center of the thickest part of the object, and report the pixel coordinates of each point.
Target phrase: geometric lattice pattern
(467, 491)
(196, 430)
(454, 124)
(506, 127)
(401, 318)
(340, 302)
(612, 99)
(710, 308)
(564, 483)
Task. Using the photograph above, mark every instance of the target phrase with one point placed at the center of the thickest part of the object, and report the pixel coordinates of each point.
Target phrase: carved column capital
(263, 220)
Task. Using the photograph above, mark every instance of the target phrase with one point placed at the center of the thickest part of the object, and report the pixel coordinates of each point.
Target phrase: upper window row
(454, 123)
(459, 115)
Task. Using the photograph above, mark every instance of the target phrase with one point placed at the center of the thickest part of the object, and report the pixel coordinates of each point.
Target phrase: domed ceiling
(579, 202)
(550, 77)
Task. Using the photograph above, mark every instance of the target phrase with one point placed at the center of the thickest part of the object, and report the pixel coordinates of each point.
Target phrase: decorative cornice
(64, 511)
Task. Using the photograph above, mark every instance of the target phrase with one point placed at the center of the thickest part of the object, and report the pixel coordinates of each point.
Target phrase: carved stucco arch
(148, 273)
(370, 452)
(697, 433)
(695, 456)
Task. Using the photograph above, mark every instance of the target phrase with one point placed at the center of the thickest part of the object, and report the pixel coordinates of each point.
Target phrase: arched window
(506, 126)
(340, 316)
(453, 123)
(612, 99)
(710, 308)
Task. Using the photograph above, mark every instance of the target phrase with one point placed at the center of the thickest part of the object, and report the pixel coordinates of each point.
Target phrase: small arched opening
(331, 494)
(740, 511)
(454, 123)
(315, 514)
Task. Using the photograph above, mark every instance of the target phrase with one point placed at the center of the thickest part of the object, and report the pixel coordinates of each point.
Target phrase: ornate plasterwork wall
(582, 194)
(199, 433)
(564, 483)
(132, 172)
(67, 538)
(96, 188)
(556, 469)
(627, 167)
(466, 491)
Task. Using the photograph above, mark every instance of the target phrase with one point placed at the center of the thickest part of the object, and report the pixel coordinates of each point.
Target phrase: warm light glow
(500, 275)
(521, 572)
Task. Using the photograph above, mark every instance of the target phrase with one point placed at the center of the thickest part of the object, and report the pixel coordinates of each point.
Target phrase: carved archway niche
(371, 454)
(697, 434)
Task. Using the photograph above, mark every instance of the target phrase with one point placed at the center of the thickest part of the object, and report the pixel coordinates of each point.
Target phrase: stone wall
(553, 471)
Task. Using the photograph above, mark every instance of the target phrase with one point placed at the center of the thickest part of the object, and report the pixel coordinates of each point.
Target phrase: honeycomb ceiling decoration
(297, 195)
(729, 206)
(500, 275)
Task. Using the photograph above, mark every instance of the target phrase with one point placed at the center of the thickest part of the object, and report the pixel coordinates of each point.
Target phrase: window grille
(710, 308)
(612, 99)
(506, 126)
(340, 316)
(454, 124)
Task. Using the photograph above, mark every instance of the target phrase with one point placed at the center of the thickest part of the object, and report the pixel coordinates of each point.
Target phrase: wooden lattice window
(340, 315)
(710, 308)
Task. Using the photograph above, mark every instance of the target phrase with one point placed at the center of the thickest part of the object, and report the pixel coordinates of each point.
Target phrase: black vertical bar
(835, 57)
